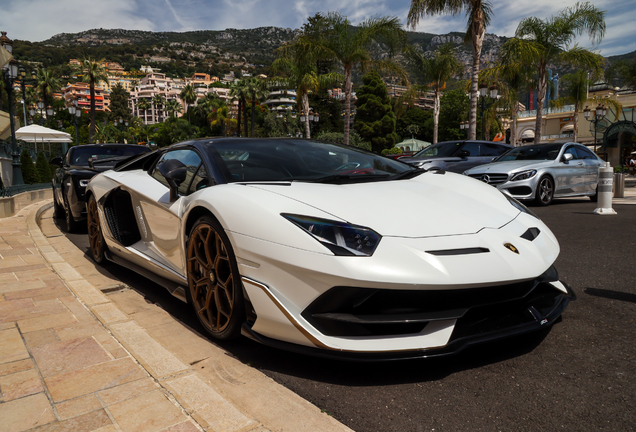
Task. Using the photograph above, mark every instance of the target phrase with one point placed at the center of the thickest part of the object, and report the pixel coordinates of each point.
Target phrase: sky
(38, 20)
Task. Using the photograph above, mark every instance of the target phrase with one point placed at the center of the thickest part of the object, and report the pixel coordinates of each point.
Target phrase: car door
(472, 159)
(592, 164)
(570, 173)
(158, 217)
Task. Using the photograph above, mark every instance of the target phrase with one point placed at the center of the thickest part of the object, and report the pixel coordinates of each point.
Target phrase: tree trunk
(347, 116)
(478, 31)
(435, 116)
(238, 123)
(253, 106)
(91, 133)
(305, 102)
(513, 130)
(575, 122)
(538, 126)
(245, 115)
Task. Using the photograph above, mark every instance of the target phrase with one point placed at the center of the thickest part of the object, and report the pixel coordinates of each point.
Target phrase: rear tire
(215, 290)
(545, 191)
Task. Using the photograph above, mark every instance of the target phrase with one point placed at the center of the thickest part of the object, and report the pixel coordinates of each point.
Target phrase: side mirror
(464, 153)
(567, 157)
(56, 161)
(175, 172)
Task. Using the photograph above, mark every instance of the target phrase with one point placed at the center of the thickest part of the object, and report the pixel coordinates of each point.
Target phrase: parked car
(76, 168)
(294, 243)
(543, 172)
(456, 156)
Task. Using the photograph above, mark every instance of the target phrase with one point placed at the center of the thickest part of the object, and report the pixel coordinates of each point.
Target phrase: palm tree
(540, 43)
(479, 13)
(143, 105)
(189, 96)
(436, 70)
(301, 73)
(352, 47)
(92, 72)
(173, 107)
(158, 100)
(239, 91)
(257, 90)
(47, 84)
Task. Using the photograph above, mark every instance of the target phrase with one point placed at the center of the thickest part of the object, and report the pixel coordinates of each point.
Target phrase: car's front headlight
(341, 238)
(524, 175)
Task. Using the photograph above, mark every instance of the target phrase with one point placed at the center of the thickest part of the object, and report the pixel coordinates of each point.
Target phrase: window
(472, 148)
(187, 157)
(585, 154)
(572, 151)
(492, 149)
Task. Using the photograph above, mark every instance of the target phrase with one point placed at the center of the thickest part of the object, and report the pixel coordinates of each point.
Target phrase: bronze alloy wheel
(95, 235)
(213, 280)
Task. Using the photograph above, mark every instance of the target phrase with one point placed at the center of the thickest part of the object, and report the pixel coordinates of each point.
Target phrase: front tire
(545, 191)
(594, 197)
(58, 209)
(214, 285)
(71, 225)
(95, 235)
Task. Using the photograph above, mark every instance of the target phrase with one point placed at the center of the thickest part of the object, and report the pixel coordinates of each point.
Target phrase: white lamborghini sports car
(328, 249)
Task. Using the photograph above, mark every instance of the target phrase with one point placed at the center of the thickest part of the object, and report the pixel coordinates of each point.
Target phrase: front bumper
(537, 309)
(522, 190)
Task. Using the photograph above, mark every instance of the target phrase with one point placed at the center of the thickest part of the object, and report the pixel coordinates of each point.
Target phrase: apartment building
(80, 92)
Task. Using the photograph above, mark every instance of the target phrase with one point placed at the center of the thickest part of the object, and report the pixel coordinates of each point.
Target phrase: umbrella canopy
(412, 145)
(36, 133)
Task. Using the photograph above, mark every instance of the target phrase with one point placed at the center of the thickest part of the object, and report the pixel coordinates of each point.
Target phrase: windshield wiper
(408, 174)
(346, 178)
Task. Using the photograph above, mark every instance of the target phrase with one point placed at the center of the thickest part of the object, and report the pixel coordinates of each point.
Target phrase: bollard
(605, 182)
(619, 185)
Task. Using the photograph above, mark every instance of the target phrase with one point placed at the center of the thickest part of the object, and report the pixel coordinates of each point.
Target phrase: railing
(533, 113)
(15, 190)
(556, 136)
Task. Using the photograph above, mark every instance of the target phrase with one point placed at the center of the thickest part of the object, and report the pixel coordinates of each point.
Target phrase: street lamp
(464, 126)
(41, 108)
(121, 127)
(10, 73)
(23, 86)
(492, 93)
(601, 111)
(76, 113)
(312, 118)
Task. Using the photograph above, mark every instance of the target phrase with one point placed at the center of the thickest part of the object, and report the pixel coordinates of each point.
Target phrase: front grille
(491, 179)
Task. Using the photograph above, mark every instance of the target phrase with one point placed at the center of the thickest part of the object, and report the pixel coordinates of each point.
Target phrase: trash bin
(619, 185)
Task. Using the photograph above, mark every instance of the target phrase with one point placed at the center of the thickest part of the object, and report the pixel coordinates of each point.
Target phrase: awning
(527, 134)
(568, 128)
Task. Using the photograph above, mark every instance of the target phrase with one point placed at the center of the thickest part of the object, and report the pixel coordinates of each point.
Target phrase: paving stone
(208, 405)
(108, 313)
(40, 337)
(46, 321)
(187, 426)
(94, 378)
(25, 413)
(127, 391)
(149, 412)
(87, 423)
(81, 330)
(78, 406)
(62, 357)
(147, 350)
(87, 292)
(189, 346)
(11, 346)
(20, 384)
(66, 271)
(40, 293)
(80, 312)
(16, 366)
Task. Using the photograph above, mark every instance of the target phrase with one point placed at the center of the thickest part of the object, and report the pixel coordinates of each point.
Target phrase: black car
(456, 156)
(76, 168)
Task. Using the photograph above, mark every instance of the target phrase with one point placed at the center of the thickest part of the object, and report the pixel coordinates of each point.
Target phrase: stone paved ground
(79, 351)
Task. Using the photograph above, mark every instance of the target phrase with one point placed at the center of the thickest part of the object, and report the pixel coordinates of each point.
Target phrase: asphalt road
(579, 375)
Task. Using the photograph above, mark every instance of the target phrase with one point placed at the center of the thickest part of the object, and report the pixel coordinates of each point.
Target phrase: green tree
(353, 47)
(375, 120)
(454, 109)
(436, 71)
(239, 92)
(422, 119)
(479, 13)
(257, 91)
(540, 43)
(300, 71)
(624, 71)
(29, 175)
(143, 105)
(42, 169)
(93, 72)
(173, 107)
(355, 140)
(47, 84)
(119, 103)
(158, 102)
(188, 96)
(174, 130)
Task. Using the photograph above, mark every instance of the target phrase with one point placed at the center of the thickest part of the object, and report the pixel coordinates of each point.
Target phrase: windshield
(81, 154)
(446, 149)
(532, 152)
(300, 160)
